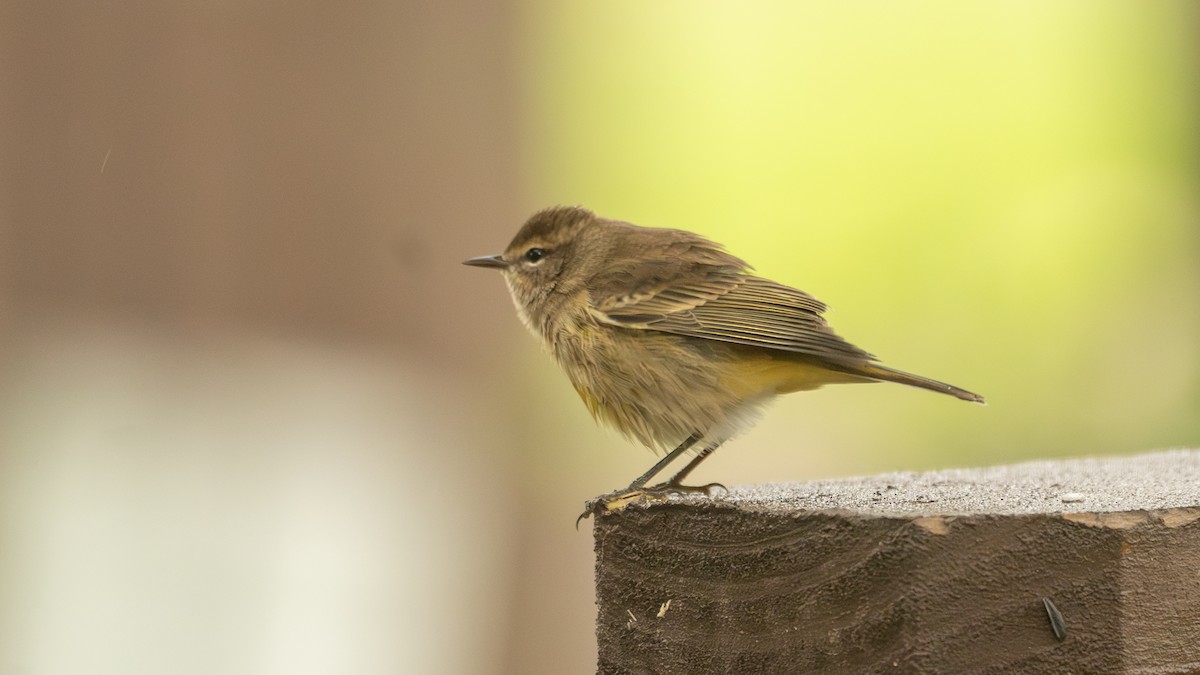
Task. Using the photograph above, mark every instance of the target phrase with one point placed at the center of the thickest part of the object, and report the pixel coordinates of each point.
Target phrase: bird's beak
(487, 261)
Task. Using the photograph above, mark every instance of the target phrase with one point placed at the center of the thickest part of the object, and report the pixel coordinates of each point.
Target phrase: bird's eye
(535, 254)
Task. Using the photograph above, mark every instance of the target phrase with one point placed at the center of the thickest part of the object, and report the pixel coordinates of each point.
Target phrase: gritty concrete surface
(1152, 481)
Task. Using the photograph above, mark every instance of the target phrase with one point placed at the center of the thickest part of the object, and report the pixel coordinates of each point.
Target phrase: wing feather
(725, 302)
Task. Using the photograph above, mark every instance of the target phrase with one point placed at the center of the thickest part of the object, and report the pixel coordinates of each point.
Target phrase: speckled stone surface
(1152, 481)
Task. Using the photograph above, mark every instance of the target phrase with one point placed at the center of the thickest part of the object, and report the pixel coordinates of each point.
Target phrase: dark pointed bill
(487, 261)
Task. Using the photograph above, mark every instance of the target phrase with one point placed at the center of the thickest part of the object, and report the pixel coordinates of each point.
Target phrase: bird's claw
(618, 500)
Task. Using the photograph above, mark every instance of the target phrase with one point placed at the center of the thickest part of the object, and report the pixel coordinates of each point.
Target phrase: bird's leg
(662, 463)
(637, 490)
(675, 485)
(634, 490)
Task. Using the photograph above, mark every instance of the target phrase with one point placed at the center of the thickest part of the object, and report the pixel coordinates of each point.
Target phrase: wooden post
(941, 572)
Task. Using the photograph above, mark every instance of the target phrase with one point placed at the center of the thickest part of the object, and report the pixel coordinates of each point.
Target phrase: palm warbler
(669, 338)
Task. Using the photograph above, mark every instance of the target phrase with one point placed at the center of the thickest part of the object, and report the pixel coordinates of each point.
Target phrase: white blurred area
(223, 502)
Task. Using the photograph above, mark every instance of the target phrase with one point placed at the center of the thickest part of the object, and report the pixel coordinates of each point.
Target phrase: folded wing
(725, 302)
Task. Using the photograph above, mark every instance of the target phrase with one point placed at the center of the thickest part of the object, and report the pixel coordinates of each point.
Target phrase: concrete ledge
(935, 572)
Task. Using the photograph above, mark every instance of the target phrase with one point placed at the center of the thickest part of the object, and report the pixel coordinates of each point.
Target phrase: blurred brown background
(241, 425)
(256, 418)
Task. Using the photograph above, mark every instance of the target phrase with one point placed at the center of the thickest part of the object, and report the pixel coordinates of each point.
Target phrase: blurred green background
(255, 417)
(1002, 195)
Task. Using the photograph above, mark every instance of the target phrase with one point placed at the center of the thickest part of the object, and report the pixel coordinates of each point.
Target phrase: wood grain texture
(911, 586)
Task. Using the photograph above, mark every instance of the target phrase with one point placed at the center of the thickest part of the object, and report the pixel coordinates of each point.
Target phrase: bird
(669, 338)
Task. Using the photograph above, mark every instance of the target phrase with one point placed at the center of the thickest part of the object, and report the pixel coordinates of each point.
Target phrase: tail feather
(878, 372)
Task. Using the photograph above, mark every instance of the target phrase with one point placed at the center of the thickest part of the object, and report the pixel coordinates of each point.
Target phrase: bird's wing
(720, 302)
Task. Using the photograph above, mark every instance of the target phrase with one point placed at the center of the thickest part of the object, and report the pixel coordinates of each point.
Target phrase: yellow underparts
(755, 375)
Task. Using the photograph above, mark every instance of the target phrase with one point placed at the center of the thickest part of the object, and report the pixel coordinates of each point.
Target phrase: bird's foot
(618, 500)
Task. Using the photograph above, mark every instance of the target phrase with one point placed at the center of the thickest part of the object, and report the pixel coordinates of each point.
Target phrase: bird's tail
(879, 372)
